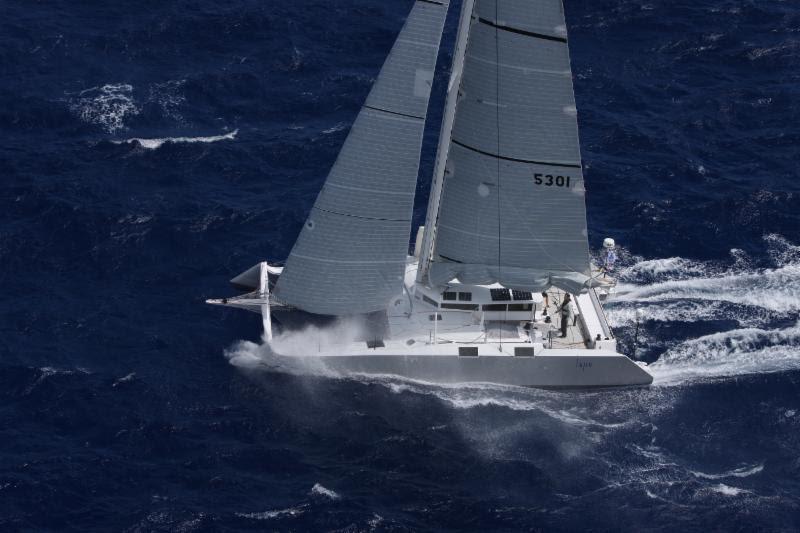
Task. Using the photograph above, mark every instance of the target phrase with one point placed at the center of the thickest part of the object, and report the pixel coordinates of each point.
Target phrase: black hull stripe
(431, 2)
(528, 161)
(523, 32)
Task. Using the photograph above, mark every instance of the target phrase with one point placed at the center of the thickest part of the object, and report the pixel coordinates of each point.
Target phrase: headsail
(350, 255)
(512, 208)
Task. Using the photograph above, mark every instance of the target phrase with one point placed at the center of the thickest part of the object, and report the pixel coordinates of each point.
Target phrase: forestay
(512, 207)
(350, 255)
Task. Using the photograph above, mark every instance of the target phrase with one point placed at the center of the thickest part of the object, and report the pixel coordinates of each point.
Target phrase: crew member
(566, 314)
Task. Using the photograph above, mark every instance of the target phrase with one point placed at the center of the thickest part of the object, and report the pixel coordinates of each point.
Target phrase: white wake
(763, 302)
(730, 354)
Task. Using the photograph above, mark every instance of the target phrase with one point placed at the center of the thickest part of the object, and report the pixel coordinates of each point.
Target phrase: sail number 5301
(549, 180)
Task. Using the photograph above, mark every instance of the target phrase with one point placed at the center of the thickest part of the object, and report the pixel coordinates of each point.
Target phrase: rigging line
(497, 121)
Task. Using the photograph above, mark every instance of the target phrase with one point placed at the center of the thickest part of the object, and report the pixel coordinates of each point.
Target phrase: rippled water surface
(149, 151)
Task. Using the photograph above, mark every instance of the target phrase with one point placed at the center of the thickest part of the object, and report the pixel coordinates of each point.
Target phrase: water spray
(639, 319)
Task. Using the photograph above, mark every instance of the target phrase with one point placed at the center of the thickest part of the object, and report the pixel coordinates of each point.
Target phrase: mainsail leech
(351, 253)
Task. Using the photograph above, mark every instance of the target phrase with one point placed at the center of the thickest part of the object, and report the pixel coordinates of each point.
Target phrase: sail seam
(363, 218)
(522, 32)
(393, 112)
(523, 69)
(346, 262)
(522, 239)
(514, 159)
(364, 189)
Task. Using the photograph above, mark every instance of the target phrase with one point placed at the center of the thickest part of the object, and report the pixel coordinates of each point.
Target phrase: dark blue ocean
(124, 405)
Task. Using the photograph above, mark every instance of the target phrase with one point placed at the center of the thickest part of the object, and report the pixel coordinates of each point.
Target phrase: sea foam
(107, 106)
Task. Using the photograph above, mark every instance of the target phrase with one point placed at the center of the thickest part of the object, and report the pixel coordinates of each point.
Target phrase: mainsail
(512, 206)
(351, 253)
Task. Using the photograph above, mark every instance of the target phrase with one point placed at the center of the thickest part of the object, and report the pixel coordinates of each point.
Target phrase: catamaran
(483, 294)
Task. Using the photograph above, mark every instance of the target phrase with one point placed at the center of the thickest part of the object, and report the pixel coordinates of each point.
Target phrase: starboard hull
(562, 371)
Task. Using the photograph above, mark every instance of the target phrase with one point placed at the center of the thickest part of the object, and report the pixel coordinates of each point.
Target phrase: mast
(434, 201)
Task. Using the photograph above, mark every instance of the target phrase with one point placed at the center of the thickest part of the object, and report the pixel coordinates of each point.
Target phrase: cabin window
(522, 295)
(500, 295)
(437, 316)
(461, 307)
(494, 307)
(523, 351)
(465, 296)
(377, 343)
(449, 296)
(430, 301)
(520, 307)
(468, 351)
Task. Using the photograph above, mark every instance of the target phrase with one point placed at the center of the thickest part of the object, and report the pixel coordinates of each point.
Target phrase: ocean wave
(41, 375)
(337, 128)
(727, 490)
(745, 471)
(290, 512)
(129, 378)
(152, 144)
(319, 490)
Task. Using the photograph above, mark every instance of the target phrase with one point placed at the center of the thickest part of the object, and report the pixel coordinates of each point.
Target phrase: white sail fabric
(350, 255)
(512, 208)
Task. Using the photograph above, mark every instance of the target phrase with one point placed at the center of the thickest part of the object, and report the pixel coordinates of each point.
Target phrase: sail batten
(350, 255)
(528, 161)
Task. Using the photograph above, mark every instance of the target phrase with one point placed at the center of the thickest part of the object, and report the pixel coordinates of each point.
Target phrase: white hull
(551, 371)
(474, 345)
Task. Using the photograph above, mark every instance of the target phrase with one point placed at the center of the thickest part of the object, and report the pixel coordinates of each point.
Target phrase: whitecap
(126, 379)
(152, 144)
(745, 471)
(728, 490)
(374, 521)
(268, 515)
(319, 490)
(338, 127)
